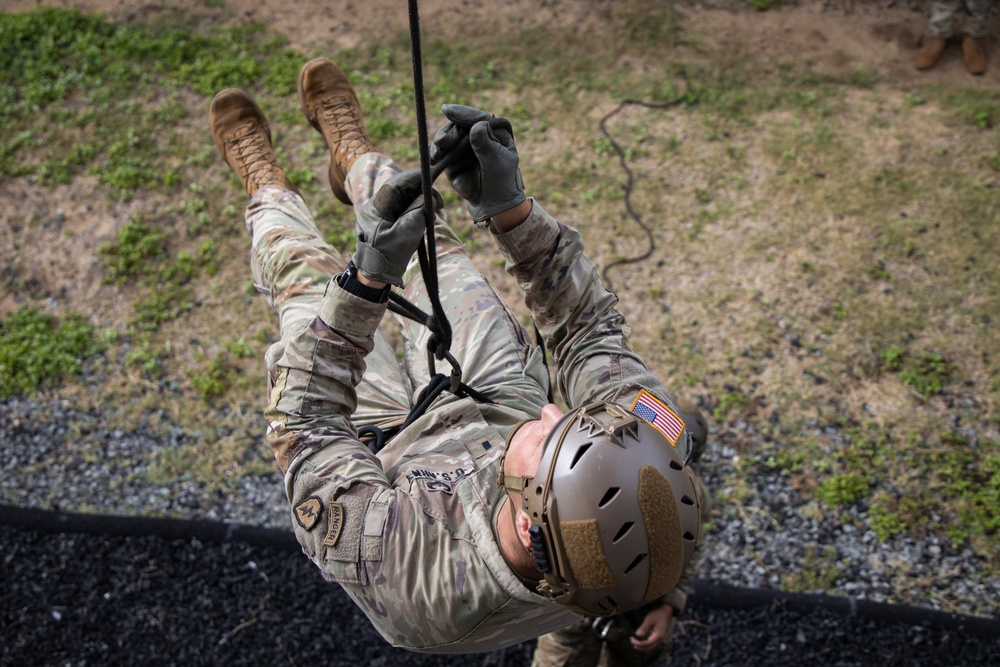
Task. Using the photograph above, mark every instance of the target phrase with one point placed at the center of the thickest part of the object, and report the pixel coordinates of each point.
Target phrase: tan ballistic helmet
(614, 510)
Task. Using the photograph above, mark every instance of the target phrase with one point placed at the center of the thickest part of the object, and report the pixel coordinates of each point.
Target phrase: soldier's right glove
(490, 179)
(390, 226)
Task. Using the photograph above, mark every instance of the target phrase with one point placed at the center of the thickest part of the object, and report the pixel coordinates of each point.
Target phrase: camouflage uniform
(976, 24)
(409, 533)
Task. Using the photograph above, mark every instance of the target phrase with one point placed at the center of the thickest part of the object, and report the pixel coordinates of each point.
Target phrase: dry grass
(810, 222)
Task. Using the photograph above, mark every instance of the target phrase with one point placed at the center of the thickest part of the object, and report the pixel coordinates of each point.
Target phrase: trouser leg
(977, 18)
(291, 266)
(942, 18)
(573, 646)
(492, 348)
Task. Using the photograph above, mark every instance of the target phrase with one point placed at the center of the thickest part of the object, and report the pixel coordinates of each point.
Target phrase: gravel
(56, 457)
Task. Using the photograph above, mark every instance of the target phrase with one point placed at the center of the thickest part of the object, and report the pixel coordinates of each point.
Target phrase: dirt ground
(885, 33)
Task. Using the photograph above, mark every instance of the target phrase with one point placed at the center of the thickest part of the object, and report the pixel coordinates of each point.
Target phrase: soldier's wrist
(358, 284)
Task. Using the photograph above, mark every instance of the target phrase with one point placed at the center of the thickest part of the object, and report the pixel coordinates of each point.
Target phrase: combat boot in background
(331, 106)
(243, 138)
(931, 53)
(973, 54)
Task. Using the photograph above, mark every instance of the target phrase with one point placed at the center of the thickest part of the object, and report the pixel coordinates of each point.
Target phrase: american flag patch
(659, 415)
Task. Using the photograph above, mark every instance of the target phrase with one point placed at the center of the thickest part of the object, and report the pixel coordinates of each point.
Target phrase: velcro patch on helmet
(585, 551)
(663, 530)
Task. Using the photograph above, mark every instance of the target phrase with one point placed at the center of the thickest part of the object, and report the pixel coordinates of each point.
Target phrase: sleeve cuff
(530, 237)
(350, 314)
(676, 598)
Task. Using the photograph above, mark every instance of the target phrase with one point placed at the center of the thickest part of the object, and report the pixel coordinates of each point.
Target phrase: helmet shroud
(614, 511)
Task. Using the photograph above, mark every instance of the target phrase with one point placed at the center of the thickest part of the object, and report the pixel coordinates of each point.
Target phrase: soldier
(481, 524)
(974, 33)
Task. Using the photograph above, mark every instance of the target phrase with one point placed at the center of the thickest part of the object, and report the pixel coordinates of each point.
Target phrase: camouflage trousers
(975, 24)
(602, 642)
(292, 264)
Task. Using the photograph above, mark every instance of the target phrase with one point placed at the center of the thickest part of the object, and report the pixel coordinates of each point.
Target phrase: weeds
(137, 246)
(843, 489)
(62, 55)
(926, 372)
(38, 352)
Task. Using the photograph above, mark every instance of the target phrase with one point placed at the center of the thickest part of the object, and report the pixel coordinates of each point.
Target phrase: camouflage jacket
(409, 533)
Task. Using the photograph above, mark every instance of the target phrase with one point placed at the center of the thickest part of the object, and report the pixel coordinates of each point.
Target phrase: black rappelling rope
(627, 187)
(440, 341)
(439, 345)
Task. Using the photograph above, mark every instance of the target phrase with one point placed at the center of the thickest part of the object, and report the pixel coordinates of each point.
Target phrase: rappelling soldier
(480, 523)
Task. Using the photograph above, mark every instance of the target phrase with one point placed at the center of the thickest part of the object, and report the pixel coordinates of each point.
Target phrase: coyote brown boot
(330, 105)
(931, 53)
(243, 138)
(973, 54)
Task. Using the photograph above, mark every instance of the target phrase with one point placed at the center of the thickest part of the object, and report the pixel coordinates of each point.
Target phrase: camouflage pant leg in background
(489, 343)
(580, 645)
(975, 23)
(291, 266)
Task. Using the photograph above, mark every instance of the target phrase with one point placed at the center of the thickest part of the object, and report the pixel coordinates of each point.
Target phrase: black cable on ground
(26, 518)
(629, 179)
(704, 593)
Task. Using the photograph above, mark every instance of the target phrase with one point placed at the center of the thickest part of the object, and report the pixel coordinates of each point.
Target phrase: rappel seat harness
(439, 345)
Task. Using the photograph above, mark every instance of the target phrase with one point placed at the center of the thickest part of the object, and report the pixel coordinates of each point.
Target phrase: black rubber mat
(85, 590)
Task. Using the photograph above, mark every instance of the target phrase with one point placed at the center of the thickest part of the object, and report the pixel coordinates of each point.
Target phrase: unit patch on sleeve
(308, 512)
(335, 524)
(659, 415)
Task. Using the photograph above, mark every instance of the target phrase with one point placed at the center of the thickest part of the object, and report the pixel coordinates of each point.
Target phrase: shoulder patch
(308, 512)
(335, 524)
(657, 413)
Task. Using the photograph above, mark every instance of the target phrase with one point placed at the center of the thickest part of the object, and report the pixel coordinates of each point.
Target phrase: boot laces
(340, 114)
(253, 153)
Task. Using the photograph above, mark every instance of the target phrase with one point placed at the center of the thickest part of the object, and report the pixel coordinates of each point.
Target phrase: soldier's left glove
(390, 227)
(489, 179)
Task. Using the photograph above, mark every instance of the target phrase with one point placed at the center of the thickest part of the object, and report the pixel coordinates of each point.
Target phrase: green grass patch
(843, 489)
(969, 106)
(101, 81)
(926, 372)
(136, 249)
(214, 380)
(38, 352)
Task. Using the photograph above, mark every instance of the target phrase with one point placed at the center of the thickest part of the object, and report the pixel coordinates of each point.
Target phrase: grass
(39, 352)
(823, 277)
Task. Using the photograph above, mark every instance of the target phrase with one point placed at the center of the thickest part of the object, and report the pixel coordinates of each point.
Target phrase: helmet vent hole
(688, 536)
(611, 605)
(687, 500)
(676, 465)
(579, 455)
(635, 563)
(609, 495)
(623, 531)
